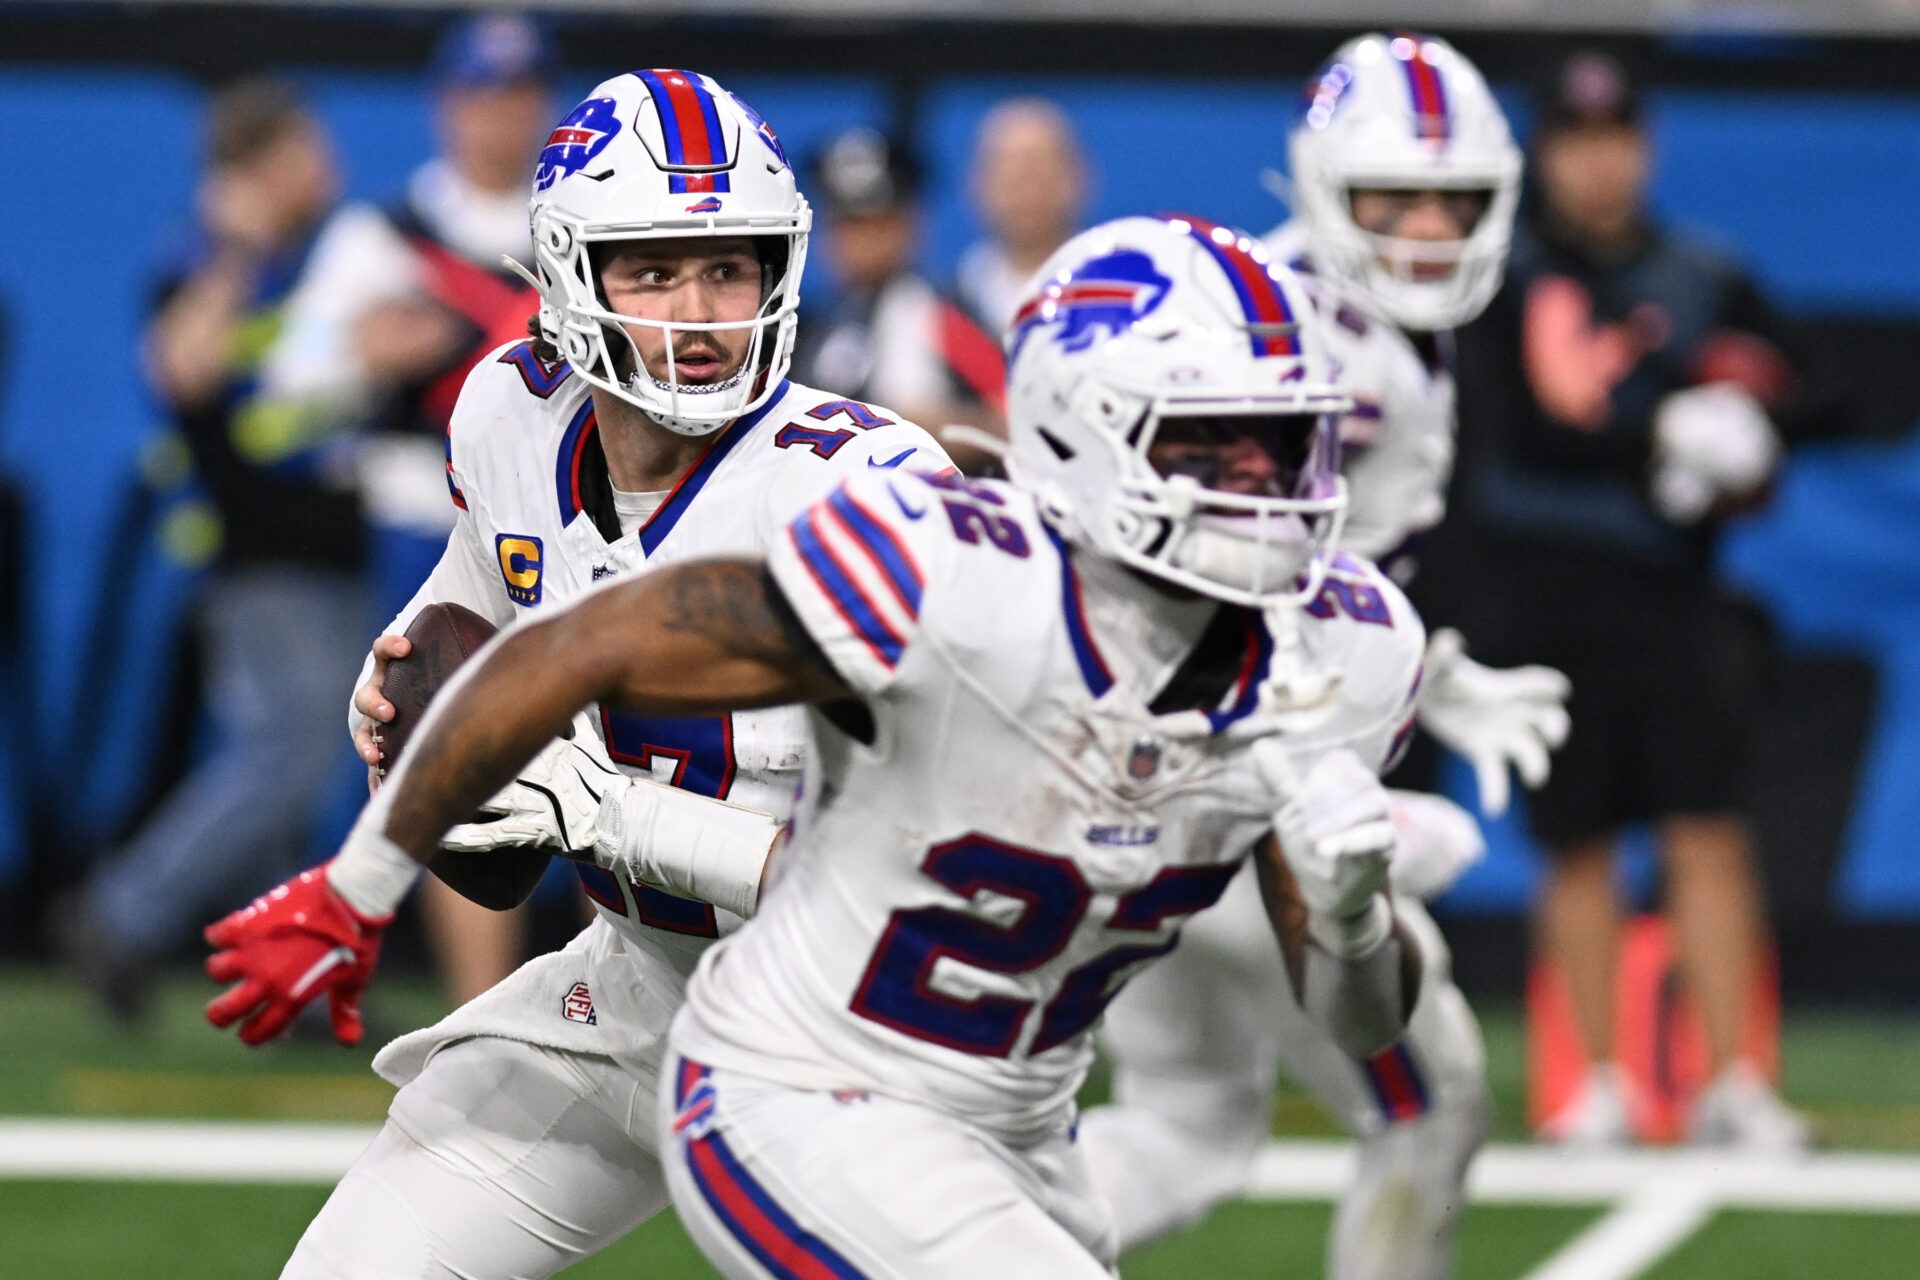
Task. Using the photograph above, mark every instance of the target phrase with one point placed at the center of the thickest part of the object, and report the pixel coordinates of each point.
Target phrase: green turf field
(1853, 1071)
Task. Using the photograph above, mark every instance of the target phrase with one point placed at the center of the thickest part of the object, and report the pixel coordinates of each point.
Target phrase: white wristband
(371, 872)
(686, 844)
(1357, 935)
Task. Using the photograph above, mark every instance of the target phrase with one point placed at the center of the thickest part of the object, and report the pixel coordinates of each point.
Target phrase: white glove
(1438, 841)
(553, 804)
(1336, 833)
(1709, 443)
(573, 799)
(1493, 718)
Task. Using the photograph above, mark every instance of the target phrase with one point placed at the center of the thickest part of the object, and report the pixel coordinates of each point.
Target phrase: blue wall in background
(1817, 190)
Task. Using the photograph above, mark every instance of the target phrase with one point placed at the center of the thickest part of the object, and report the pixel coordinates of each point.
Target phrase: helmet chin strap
(1295, 697)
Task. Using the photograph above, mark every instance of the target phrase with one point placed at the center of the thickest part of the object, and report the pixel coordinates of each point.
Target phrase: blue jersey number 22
(896, 990)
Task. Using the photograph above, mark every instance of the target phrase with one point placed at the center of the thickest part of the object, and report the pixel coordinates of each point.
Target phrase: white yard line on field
(1659, 1197)
(1639, 1231)
(177, 1151)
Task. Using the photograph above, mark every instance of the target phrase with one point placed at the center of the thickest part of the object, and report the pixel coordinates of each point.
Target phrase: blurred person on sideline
(1029, 186)
(1629, 391)
(398, 305)
(890, 336)
(283, 614)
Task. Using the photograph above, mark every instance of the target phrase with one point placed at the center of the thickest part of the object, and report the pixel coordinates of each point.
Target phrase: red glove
(285, 948)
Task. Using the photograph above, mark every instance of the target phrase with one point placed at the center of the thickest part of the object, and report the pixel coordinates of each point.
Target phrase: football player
(1404, 179)
(1050, 720)
(649, 421)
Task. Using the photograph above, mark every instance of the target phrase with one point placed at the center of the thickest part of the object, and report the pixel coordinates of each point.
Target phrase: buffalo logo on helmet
(1101, 298)
(575, 141)
(710, 205)
(761, 127)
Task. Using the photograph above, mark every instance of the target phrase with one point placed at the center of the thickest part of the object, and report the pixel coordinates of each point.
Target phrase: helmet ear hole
(577, 348)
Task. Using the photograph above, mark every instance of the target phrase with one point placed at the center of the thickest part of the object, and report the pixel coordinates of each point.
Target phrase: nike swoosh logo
(893, 462)
(905, 509)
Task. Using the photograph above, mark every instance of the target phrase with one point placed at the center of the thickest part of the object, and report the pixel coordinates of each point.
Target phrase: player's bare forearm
(1286, 909)
(1362, 1002)
(702, 637)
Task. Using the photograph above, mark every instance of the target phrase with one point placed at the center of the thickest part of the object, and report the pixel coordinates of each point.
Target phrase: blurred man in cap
(284, 610)
(1628, 391)
(890, 335)
(396, 307)
(1030, 188)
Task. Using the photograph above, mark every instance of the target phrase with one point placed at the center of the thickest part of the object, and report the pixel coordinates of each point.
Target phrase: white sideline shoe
(1598, 1116)
(1740, 1109)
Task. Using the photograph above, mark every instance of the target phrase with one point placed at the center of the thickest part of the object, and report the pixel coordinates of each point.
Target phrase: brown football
(444, 636)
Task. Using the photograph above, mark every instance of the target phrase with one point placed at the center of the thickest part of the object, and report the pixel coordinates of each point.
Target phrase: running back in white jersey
(964, 895)
(536, 527)
(1397, 444)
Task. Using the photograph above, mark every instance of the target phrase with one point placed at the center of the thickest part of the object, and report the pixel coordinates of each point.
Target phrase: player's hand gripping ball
(444, 636)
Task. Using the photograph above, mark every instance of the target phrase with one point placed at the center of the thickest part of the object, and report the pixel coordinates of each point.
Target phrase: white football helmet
(654, 155)
(1175, 331)
(1405, 112)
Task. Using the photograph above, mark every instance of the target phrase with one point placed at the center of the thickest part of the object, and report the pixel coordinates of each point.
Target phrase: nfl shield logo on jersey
(1145, 760)
(577, 1006)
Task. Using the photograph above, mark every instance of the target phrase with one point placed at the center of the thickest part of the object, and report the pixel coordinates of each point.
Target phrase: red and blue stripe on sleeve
(863, 570)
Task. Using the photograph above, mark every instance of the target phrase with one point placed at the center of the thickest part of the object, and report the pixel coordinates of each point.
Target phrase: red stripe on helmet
(697, 145)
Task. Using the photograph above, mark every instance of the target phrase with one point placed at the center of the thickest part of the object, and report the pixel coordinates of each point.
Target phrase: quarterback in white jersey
(1050, 720)
(1405, 179)
(521, 1138)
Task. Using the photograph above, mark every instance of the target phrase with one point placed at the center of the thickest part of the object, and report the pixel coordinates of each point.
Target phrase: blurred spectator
(397, 306)
(1030, 188)
(1628, 391)
(284, 615)
(890, 337)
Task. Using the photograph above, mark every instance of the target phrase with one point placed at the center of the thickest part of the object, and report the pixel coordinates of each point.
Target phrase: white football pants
(501, 1160)
(1196, 1041)
(795, 1184)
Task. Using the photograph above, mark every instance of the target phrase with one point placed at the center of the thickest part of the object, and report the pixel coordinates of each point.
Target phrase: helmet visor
(1267, 455)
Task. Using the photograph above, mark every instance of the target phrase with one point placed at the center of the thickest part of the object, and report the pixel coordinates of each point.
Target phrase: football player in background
(1051, 719)
(1404, 181)
(648, 422)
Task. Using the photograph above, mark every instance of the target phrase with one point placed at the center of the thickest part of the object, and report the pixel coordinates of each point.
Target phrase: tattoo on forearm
(725, 601)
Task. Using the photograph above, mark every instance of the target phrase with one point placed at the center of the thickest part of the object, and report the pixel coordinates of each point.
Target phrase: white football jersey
(963, 895)
(1397, 444)
(536, 527)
